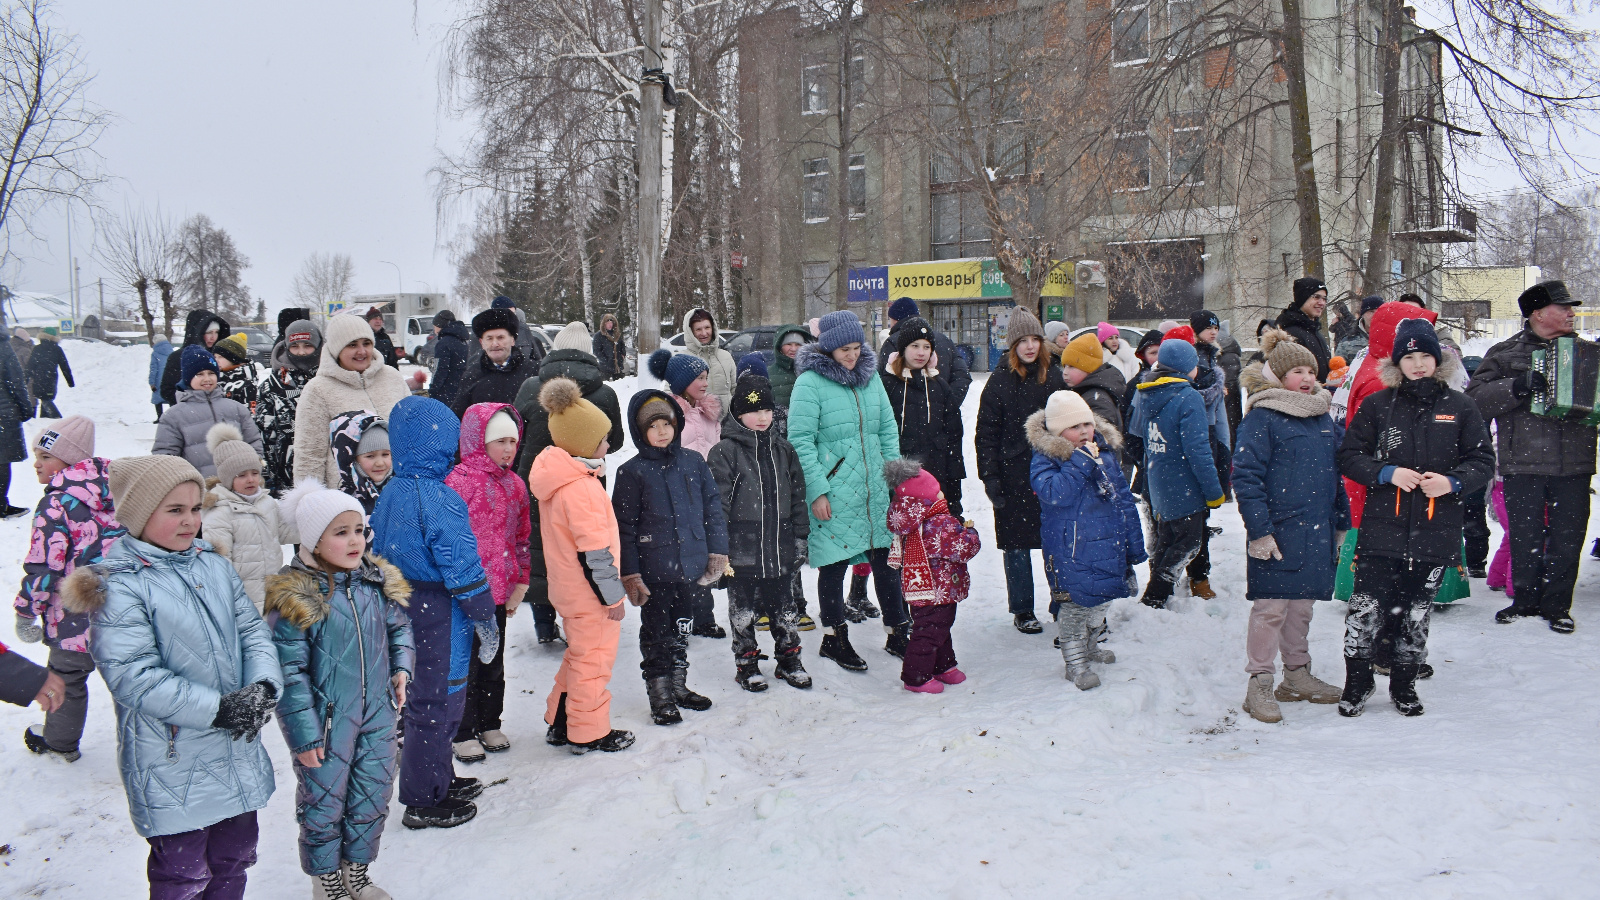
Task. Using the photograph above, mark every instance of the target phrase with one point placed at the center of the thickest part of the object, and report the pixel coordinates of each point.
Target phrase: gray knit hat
(574, 337)
(230, 454)
(1023, 324)
(140, 483)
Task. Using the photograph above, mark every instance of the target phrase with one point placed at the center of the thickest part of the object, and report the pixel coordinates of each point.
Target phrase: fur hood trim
(84, 591)
(898, 471)
(1057, 447)
(812, 359)
(298, 593)
(1274, 396)
(1448, 372)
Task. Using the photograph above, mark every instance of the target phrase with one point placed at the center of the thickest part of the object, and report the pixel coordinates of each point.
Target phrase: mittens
(488, 640)
(715, 567)
(244, 712)
(637, 592)
(28, 629)
(1263, 548)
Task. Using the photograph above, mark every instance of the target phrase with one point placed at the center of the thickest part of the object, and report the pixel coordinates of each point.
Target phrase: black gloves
(244, 712)
(997, 493)
(1525, 384)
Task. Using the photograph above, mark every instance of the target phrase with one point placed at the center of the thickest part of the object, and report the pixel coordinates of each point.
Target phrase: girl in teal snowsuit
(345, 644)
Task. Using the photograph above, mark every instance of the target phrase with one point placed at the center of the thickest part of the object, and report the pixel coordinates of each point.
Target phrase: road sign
(66, 326)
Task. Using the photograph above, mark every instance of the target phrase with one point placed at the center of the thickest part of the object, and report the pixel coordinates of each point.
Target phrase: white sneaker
(468, 751)
(494, 740)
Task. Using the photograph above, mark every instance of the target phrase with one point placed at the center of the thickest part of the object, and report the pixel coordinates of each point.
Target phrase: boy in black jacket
(763, 491)
(674, 536)
(1418, 447)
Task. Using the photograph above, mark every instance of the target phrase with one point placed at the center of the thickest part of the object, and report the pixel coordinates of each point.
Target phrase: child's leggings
(208, 862)
(930, 651)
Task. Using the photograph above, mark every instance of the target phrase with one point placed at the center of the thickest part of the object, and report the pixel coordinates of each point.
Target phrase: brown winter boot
(1201, 587)
(1300, 684)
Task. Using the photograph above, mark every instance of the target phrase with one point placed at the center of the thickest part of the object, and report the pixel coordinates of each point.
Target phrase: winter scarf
(344, 439)
(1266, 391)
(908, 554)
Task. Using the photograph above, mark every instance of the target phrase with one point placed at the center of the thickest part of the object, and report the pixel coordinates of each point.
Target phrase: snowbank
(1011, 785)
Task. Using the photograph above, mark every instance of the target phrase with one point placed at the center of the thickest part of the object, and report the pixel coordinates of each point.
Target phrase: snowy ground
(1012, 785)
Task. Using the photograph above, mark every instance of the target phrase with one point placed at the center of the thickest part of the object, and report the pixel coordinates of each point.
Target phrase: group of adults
(28, 383)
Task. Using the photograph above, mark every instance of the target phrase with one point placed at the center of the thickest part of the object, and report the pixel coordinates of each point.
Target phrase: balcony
(1441, 221)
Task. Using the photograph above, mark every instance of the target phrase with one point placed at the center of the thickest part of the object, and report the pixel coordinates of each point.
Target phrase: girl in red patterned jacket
(931, 549)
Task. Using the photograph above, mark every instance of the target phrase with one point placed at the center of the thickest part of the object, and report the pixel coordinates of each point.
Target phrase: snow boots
(615, 740)
(952, 675)
(449, 814)
(1201, 587)
(1073, 621)
(1027, 623)
(684, 697)
(663, 710)
(556, 735)
(35, 741)
(931, 686)
(1156, 593)
(359, 884)
(899, 639)
(857, 608)
(837, 647)
(1358, 687)
(748, 674)
(1403, 690)
(1259, 701)
(329, 887)
(1097, 635)
(468, 751)
(791, 671)
(1299, 684)
(495, 741)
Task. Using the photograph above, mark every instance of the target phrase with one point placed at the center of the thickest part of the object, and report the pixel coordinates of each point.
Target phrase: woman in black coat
(15, 408)
(925, 409)
(1016, 390)
(43, 363)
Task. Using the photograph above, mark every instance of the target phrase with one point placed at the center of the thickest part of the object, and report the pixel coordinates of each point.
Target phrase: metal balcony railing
(1440, 221)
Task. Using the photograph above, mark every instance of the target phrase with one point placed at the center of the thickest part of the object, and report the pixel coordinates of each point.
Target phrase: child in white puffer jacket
(241, 518)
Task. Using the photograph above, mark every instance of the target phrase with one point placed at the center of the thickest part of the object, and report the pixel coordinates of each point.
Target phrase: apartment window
(960, 225)
(817, 278)
(814, 90)
(858, 81)
(816, 190)
(1130, 32)
(858, 185)
(1186, 30)
(1188, 148)
(1131, 155)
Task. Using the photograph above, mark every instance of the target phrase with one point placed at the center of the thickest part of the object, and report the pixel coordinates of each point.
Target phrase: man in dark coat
(43, 364)
(200, 326)
(1303, 321)
(1546, 462)
(562, 362)
(451, 350)
(953, 368)
(609, 351)
(15, 408)
(380, 338)
(532, 350)
(501, 368)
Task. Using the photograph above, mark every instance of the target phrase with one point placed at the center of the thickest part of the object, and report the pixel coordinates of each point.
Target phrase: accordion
(1571, 368)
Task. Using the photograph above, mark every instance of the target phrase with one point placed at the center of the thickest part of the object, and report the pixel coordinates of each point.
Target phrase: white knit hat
(1065, 409)
(501, 425)
(310, 506)
(574, 337)
(342, 329)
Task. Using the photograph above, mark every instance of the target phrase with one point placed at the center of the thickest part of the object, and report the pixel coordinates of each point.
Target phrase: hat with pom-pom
(678, 370)
(232, 348)
(230, 454)
(140, 483)
(1284, 353)
(576, 425)
(312, 507)
(907, 478)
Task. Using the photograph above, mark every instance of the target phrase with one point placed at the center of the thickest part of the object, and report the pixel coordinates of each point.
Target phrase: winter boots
(1259, 701)
(952, 675)
(663, 710)
(556, 735)
(468, 751)
(684, 697)
(35, 741)
(1358, 687)
(1097, 635)
(495, 741)
(1027, 623)
(359, 884)
(449, 814)
(791, 671)
(931, 686)
(837, 647)
(1403, 690)
(1073, 621)
(748, 674)
(710, 630)
(1201, 587)
(1156, 593)
(611, 742)
(899, 639)
(1299, 684)
(857, 608)
(329, 887)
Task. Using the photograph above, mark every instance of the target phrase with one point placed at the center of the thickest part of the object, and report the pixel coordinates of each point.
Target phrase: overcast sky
(298, 126)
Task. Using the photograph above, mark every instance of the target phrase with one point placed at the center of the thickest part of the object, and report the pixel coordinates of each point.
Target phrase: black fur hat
(493, 318)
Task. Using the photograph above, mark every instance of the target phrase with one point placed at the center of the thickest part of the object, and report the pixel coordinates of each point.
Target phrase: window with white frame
(960, 225)
(814, 90)
(1131, 158)
(1186, 30)
(1130, 32)
(816, 189)
(858, 81)
(858, 185)
(1188, 148)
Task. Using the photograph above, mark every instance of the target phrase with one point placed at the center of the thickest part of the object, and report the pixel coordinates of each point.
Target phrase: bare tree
(48, 128)
(137, 247)
(210, 269)
(323, 279)
(1561, 238)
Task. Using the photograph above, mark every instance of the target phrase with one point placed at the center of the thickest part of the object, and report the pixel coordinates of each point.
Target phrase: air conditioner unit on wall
(425, 301)
(1090, 272)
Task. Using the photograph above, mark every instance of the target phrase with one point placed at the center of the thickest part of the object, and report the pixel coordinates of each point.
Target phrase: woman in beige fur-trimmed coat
(351, 376)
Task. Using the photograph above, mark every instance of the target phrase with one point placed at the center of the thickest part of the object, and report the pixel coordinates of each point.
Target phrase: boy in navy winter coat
(1182, 478)
(1089, 526)
(1286, 478)
(674, 538)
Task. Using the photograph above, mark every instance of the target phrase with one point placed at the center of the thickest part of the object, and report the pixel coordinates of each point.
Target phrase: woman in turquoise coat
(843, 429)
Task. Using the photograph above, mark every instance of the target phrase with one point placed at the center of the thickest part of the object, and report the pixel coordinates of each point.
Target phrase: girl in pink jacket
(497, 502)
(690, 381)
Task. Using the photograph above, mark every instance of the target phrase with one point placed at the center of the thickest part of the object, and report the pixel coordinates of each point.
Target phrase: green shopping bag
(1455, 586)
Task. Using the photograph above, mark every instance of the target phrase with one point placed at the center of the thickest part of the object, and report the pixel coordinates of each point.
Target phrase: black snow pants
(1394, 598)
(1548, 517)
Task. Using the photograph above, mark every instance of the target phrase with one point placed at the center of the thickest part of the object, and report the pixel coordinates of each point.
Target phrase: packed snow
(1014, 784)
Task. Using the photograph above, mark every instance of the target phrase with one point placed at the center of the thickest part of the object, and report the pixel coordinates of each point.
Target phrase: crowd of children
(165, 572)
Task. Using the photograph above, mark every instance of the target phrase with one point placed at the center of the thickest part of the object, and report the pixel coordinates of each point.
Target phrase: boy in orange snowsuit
(581, 551)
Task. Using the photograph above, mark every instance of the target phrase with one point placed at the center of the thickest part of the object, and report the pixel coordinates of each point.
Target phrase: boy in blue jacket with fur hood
(1172, 419)
(1089, 525)
(421, 526)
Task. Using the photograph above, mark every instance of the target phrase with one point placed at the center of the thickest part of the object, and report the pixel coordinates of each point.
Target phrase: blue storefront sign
(869, 285)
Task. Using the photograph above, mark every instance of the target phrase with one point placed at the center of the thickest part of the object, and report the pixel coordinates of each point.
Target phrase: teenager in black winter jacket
(451, 348)
(1303, 321)
(1418, 447)
(202, 327)
(925, 408)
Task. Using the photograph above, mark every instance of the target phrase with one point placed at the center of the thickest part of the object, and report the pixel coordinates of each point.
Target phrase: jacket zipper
(172, 742)
(327, 727)
(761, 501)
(361, 644)
(861, 429)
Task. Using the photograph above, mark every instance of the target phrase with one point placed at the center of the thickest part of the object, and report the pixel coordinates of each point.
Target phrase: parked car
(1130, 336)
(257, 344)
(676, 341)
(751, 340)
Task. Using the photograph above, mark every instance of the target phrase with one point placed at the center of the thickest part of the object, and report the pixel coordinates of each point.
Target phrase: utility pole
(101, 284)
(650, 94)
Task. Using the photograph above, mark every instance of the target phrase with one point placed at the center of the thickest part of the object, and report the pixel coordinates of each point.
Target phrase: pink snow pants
(1500, 566)
(1278, 625)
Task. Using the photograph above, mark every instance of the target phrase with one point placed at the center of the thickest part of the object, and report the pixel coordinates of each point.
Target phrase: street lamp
(399, 282)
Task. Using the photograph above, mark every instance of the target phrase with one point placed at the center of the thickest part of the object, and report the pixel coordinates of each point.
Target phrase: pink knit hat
(1105, 330)
(70, 440)
(923, 486)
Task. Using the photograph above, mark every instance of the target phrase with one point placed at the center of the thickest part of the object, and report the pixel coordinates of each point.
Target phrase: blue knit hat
(503, 302)
(752, 364)
(837, 329)
(902, 309)
(1178, 355)
(1415, 336)
(678, 370)
(195, 359)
